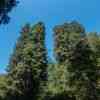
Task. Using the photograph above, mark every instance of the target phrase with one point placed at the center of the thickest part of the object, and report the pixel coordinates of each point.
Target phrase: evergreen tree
(39, 59)
(83, 72)
(20, 68)
(94, 41)
(66, 36)
(73, 76)
(27, 67)
(57, 87)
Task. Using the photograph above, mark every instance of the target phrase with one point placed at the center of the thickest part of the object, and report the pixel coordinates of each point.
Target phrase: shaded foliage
(39, 67)
(5, 7)
(83, 72)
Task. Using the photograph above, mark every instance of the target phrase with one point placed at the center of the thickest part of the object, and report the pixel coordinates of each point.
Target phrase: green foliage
(39, 50)
(94, 41)
(66, 36)
(20, 68)
(83, 72)
(28, 63)
(73, 51)
(3, 87)
(39, 59)
(57, 82)
(74, 75)
(6, 89)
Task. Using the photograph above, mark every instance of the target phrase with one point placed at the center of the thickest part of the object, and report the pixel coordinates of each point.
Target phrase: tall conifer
(39, 59)
(20, 68)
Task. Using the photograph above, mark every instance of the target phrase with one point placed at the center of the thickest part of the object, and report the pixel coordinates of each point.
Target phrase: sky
(51, 12)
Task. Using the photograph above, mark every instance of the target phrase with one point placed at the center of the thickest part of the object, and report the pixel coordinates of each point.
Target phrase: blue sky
(51, 12)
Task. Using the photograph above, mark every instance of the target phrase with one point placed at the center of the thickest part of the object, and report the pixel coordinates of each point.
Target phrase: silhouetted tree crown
(5, 7)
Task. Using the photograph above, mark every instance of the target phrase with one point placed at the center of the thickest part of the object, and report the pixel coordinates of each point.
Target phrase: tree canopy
(74, 76)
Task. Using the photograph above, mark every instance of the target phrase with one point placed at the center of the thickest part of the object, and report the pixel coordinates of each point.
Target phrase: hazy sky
(51, 12)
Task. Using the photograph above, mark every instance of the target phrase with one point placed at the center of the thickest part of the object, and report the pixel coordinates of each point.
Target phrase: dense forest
(74, 75)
